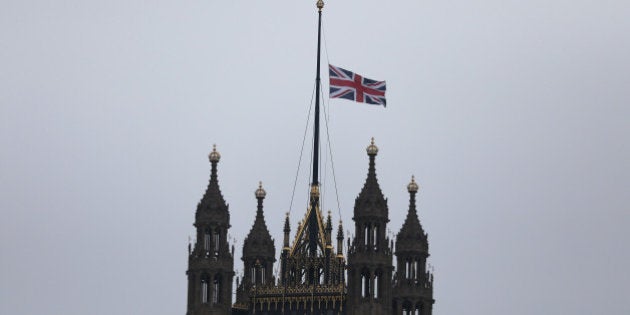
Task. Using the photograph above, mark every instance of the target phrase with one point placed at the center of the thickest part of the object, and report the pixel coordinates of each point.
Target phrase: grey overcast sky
(513, 115)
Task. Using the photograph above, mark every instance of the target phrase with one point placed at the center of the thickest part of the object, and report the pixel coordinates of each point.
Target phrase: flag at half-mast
(349, 85)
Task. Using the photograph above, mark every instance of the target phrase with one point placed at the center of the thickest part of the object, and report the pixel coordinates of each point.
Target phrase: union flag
(351, 86)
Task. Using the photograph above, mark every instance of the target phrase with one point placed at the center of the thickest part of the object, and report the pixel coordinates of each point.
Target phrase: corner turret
(412, 237)
(370, 256)
(258, 247)
(413, 283)
(210, 263)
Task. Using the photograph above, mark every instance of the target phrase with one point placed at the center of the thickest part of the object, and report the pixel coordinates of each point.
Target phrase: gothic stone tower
(370, 255)
(259, 254)
(210, 263)
(312, 280)
(413, 284)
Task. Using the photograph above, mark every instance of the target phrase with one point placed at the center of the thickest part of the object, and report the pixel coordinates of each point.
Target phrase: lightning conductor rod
(312, 220)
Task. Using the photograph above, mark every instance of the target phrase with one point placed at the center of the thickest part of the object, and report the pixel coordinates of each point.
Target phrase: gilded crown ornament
(260, 192)
(372, 149)
(413, 186)
(214, 156)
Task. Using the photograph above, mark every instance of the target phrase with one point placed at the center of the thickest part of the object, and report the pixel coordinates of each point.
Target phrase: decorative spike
(340, 239)
(340, 231)
(329, 222)
(287, 227)
(287, 230)
(328, 230)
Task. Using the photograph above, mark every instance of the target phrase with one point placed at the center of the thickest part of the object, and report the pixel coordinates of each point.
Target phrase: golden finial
(260, 192)
(320, 4)
(413, 186)
(372, 149)
(214, 156)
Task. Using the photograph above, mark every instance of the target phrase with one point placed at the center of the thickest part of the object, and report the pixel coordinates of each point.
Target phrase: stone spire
(258, 242)
(411, 236)
(212, 203)
(371, 200)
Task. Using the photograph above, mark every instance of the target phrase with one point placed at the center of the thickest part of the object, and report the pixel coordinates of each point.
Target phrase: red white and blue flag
(349, 85)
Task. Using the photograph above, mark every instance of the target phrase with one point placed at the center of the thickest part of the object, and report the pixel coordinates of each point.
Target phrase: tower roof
(371, 201)
(212, 206)
(411, 236)
(258, 242)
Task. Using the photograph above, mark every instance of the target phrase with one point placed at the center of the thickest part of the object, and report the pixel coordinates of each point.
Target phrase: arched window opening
(367, 235)
(217, 242)
(407, 270)
(206, 240)
(418, 309)
(365, 285)
(376, 286)
(252, 275)
(375, 237)
(262, 275)
(216, 290)
(320, 276)
(415, 269)
(204, 290)
(407, 308)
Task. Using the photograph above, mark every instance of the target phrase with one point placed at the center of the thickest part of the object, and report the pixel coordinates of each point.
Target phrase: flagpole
(314, 200)
(320, 6)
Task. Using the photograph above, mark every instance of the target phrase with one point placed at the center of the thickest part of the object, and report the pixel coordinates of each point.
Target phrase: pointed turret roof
(329, 223)
(371, 201)
(340, 240)
(340, 231)
(411, 236)
(258, 242)
(212, 205)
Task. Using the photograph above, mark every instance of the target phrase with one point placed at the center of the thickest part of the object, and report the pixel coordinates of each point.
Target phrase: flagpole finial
(320, 5)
